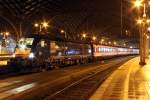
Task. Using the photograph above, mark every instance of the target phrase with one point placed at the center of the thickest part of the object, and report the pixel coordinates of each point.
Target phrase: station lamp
(124, 44)
(139, 21)
(7, 33)
(84, 35)
(41, 25)
(148, 21)
(147, 37)
(93, 38)
(131, 47)
(148, 28)
(62, 31)
(138, 3)
(102, 40)
(45, 24)
(36, 25)
(144, 22)
(56, 47)
(115, 43)
(109, 42)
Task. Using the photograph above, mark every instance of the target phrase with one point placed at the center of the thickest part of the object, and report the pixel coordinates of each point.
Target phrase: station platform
(129, 82)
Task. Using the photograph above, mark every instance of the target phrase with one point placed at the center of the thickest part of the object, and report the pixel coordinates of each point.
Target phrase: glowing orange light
(138, 3)
(148, 28)
(36, 25)
(84, 35)
(147, 36)
(45, 24)
(7, 33)
(115, 42)
(62, 31)
(94, 38)
(139, 21)
(148, 21)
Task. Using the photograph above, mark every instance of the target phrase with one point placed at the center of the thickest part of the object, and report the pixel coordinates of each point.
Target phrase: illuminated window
(42, 43)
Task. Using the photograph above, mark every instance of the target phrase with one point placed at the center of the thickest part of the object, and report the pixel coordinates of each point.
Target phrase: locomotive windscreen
(73, 52)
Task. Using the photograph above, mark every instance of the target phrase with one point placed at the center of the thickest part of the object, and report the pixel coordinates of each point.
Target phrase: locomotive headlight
(14, 55)
(31, 55)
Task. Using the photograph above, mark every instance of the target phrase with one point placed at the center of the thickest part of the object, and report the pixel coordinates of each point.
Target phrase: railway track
(77, 85)
(83, 88)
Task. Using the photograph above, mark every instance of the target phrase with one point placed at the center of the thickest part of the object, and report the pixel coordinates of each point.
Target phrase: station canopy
(109, 18)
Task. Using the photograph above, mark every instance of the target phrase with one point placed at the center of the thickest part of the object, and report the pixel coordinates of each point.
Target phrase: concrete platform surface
(129, 82)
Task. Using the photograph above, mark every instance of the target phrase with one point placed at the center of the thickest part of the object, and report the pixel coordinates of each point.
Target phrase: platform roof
(95, 17)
